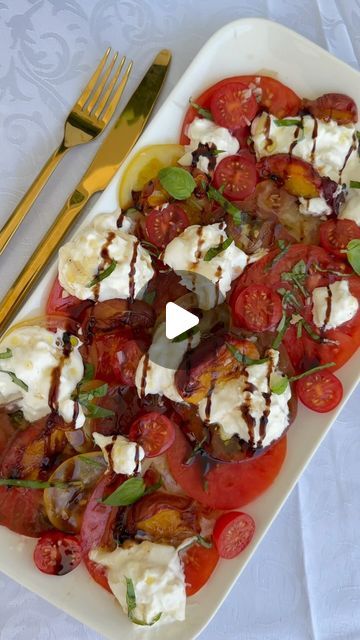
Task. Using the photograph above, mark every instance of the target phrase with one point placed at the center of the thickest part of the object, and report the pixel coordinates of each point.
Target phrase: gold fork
(87, 119)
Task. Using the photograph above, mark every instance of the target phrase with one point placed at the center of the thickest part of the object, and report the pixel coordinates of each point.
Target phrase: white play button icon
(178, 320)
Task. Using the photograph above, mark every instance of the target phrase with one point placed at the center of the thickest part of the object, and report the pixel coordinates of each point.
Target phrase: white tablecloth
(304, 581)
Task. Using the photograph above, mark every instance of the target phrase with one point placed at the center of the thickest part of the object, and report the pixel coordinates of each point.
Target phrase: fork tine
(102, 84)
(93, 80)
(111, 106)
(108, 91)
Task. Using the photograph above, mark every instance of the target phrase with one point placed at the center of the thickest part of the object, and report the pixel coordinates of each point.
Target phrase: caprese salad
(131, 452)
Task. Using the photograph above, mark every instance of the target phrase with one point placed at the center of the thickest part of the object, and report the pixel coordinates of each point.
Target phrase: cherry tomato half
(237, 176)
(164, 225)
(257, 308)
(232, 533)
(233, 105)
(198, 563)
(335, 235)
(57, 553)
(321, 391)
(154, 432)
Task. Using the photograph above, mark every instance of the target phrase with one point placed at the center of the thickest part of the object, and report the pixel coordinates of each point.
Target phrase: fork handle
(34, 267)
(18, 215)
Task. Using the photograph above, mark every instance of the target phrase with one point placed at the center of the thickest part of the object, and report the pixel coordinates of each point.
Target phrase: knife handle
(35, 266)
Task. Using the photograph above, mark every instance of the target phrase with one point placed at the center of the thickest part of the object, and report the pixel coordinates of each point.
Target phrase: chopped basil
(353, 255)
(196, 450)
(354, 184)
(284, 248)
(214, 251)
(205, 113)
(288, 298)
(216, 152)
(289, 122)
(6, 354)
(308, 328)
(207, 544)
(186, 334)
(131, 605)
(15, 379)
(94, 411)
(279, 383)
(85, 398)
(90, 461)
(177, 182)
(37, 484)
(299, 329)
(333, 272)
(89, 372)
(297, 276)
(310, 371)
(216, 195)
(151, 248)
(99, 392)
(242, 358)
(282, 326)
(103, 274)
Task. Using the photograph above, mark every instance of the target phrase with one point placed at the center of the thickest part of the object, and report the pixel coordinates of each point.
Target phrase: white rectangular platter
(241, 47)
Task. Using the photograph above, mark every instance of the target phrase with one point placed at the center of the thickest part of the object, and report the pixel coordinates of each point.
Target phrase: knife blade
(110, 155)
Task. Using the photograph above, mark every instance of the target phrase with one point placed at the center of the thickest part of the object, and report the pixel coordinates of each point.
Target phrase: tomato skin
(232, 533)
(164, 225)
(57, 553)
(154, 432)
(22, 511)
(321, 391)
(233, 105)
(335, 235)
(198, 564)
(229, 485)
(257, 308)
(298, 177)
(333, 106)
(237, 174)
(116, 356)
(60, 303)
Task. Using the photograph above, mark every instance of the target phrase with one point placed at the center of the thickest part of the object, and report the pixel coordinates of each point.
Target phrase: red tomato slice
(333, 106)
(117, 356)
(321, 391)
(273, 96)
(335, 235)
(154, 432)
(164, 225)
(237, 176)
(257, 308)
(7, 431)
(61, 303)
(57, 553)
(232, 533)
(22, 510)
(233, 105)
(229, 485)
(198, 563)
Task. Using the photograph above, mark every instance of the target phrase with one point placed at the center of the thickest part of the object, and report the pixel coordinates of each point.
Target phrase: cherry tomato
(154, 432)
(164, 225)
(61, 303)
(333, 106)
(335, 235)
(117, 356)
(320, 391)
(232, 533)
(298, 177)
(272, 95)
(198, 563)
(233, 105)
(237, 176)
(257, 308)
(57, 553)
(228, 485)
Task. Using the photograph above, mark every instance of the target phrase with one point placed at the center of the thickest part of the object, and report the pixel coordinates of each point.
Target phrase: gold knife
(106, 162)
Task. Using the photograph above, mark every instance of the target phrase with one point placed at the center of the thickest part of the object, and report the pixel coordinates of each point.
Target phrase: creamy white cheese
(157, 576)
(314, 207)
(152, 377)
(204, 131)
(351, 207)
(209, 280)
(80, 261)
(343, 305)
(333, 142)
(36, 352)
(229, 399)
(125, 456)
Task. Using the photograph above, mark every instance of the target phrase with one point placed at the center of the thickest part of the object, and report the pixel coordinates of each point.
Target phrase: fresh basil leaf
(216, 195)
(242, 358)
(89, 372)
(177, 182)
(6, 354)
(278, 383)
(186, 334)
(297, 276)
(353, 255)
(131, 605)
(205, 113)
(129, 492)
(94, 411)
(153, 487)
(15, 379)
(310, 331)
(214, 251)
(87, 396)
(207, 544)
(310, 371)
(289, 122)
(37, 484)
(90, 461)
(288, 298)
(103, 274)
(284, 248)
(299, 329)
(354, 184)
(282, 327)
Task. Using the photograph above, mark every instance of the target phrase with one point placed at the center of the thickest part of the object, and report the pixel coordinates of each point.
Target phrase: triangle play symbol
(178, 320)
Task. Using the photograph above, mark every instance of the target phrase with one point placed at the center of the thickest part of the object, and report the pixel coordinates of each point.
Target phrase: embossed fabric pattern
(304, 581)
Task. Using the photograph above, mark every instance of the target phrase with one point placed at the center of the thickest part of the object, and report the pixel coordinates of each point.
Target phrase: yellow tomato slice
(145, 166)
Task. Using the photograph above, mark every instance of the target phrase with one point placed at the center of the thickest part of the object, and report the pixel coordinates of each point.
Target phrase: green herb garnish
(288, 298)
(289, 122)
(279, 383)
(131, 605)
(281, 329)
(90, 461)
(103, 274)
(89, 372)
(214, 251)
(353, 255)
(205, 113)
(6, 354)
(130, 491)
(242, 358)
(284, 248)
(186, 334)
(207, 544)
(216, 195)
(196, 450)
(297, 276)
(37, 484)
(85, 398)
(177, 182)
(354, 184)
(16, 380)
